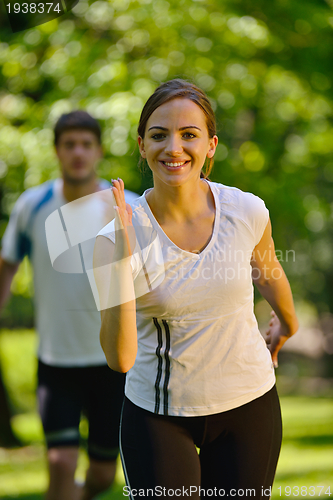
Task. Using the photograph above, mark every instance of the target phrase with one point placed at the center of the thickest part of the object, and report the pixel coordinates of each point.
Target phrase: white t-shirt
(67, 319)
(199, 347)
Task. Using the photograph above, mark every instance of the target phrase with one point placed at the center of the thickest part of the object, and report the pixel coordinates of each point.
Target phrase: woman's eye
(189, 135)
(158, 136)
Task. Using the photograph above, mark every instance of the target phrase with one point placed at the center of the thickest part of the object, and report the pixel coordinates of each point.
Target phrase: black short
(95, 391)
(239, 450)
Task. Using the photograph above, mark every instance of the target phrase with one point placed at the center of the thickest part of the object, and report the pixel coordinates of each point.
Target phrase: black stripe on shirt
(159, 366)
(167, 367)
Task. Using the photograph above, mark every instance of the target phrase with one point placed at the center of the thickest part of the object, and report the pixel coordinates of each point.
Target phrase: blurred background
(268, 70)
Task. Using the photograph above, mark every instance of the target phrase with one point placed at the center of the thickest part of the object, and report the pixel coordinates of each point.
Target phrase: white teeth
(174, 164)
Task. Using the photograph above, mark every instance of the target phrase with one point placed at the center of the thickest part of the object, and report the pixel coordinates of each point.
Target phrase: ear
(212, 146)
(141, 147)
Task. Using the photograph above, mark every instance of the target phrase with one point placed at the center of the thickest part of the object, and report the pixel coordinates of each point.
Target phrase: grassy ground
(306, 457)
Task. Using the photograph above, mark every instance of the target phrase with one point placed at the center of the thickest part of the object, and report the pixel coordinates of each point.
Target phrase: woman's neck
(179, 204)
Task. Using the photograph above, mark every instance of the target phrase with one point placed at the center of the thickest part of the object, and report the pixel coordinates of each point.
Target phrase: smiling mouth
(174, 164)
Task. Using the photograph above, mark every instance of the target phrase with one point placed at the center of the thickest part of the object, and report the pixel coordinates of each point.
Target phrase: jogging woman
(200, 373)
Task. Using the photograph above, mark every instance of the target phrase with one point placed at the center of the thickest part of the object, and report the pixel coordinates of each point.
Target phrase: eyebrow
(72, 141)
(181, 128)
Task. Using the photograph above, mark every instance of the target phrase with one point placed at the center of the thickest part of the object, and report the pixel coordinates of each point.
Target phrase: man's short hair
(77, 120)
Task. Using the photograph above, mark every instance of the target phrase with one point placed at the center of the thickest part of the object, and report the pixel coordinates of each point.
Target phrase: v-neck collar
(215, 226)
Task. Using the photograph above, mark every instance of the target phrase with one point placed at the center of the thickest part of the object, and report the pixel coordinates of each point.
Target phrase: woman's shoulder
(246, 208)
(139, 208)
(235, 198)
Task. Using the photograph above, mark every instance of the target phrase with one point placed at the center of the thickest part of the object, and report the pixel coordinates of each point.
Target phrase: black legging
(239, 450)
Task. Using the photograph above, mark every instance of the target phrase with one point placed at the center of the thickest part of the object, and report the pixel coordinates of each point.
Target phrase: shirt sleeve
(257, 216)
(16, 243)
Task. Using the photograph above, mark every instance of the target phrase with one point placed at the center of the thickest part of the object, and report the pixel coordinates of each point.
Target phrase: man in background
(73, 376)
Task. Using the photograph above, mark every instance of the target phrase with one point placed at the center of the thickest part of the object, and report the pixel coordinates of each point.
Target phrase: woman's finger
(117, 193)
(121, 182)
(118, 190)
(123, 209)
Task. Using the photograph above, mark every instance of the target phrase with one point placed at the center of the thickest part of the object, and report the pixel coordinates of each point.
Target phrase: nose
(79, 150)
(173, 146)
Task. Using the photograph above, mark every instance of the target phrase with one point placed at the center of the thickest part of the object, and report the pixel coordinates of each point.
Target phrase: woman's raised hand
(123, 209)
(123, 221)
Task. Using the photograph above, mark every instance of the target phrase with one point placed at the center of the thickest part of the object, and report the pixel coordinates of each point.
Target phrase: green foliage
(306, 455)
(266, 67)
(18, 312)
(19, 365)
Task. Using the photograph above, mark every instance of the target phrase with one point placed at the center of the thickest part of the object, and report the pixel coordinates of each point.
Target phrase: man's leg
(100, 476)
(105, 394)
(62, 465)
(60, 401)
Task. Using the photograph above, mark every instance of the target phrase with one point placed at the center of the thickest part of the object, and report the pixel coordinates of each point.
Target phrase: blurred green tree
(266, 67)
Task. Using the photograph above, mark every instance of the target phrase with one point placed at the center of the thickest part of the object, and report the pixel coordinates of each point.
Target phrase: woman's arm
(272, 283)
(113, 276)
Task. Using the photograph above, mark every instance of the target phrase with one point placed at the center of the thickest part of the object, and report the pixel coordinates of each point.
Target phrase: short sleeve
(257, 216)
(15, 242)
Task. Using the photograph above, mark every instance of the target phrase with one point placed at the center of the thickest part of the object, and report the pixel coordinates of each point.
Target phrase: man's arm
(272, 283)
(7, 273)
(7, 436)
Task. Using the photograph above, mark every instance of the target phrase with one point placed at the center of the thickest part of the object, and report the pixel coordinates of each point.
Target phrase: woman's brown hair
(174, 89)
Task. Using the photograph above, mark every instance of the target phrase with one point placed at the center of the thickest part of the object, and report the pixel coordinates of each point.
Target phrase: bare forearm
(118, 336)
(278, 294)
(118, 333)
(7, 272)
